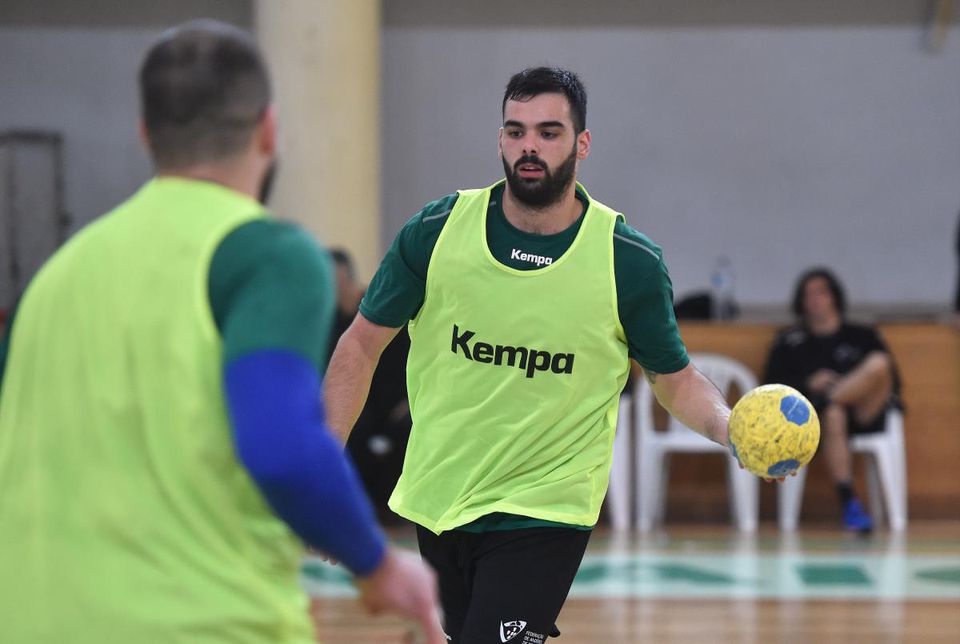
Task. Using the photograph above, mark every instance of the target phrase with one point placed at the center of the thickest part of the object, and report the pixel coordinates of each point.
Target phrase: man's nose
(530, 145)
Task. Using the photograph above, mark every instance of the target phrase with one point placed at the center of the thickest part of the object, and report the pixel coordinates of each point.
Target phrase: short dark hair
(203, 90)
(342, 258)
(833, 283)
(534, 81)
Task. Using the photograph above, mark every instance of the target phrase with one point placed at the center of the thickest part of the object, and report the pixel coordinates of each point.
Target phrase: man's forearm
(347, 384)
(693, 400)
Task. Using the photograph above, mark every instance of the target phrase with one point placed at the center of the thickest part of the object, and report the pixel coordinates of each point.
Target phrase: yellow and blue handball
(774, 431)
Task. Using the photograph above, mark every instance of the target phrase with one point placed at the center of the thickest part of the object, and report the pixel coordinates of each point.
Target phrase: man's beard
(545, 191)
(266, 187)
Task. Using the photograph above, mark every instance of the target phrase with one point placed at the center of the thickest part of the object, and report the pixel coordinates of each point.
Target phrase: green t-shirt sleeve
(645, 302)
(396, 292)
(271, 287)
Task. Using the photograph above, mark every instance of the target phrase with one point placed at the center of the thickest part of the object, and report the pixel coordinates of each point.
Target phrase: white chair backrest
(726, 373)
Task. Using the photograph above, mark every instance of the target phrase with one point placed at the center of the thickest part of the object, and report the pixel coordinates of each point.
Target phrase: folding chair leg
(790, 500)
(618, 492)
(876, 484)
(897, 507)
(894, 488)
(744, 490)
(661, 498)
(649, 484)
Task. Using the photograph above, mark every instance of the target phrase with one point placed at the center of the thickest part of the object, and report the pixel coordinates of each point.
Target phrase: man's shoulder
(269, 228)
(637, 248)
(420, 233)
(434, 214)
(270, 262)
(266, 235)
(268, 244)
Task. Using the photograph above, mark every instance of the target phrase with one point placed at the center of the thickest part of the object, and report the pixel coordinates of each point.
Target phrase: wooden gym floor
(694, 584)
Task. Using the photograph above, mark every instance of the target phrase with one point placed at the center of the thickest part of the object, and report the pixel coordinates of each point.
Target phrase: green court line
(792, 575)
(774, 543)
(946, 575)
(820, 575)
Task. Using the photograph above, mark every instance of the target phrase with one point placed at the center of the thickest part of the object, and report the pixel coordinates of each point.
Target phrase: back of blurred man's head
(203, 90)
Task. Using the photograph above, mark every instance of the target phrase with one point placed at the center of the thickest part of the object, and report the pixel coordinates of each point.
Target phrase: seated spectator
(349, 293)
(844, 369)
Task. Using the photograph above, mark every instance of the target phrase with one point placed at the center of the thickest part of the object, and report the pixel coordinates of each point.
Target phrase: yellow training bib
(514, 379)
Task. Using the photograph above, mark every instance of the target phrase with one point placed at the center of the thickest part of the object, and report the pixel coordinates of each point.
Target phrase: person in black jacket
(844, 369)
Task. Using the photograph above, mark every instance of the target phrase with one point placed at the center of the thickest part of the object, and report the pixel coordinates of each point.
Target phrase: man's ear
(143, 135)
(583, 145)
(267, 132)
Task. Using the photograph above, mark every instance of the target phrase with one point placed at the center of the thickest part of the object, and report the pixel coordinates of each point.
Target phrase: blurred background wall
(781, 134)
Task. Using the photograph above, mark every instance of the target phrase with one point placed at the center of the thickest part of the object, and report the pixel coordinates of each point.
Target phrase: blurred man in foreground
(162, 441)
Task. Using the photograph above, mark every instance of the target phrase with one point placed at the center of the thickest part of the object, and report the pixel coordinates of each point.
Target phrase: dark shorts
(855, 428)
(506, 586)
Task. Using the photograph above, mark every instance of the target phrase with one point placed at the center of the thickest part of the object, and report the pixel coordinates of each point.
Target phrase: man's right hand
(823, 380)
(404, 585)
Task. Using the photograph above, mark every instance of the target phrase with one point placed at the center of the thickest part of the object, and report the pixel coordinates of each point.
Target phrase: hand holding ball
(774, 431)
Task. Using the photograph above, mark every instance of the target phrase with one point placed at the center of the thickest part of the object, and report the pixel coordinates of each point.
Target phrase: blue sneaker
(855, 518)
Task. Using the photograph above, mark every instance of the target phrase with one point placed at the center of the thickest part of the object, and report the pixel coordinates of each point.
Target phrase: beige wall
(325, 59)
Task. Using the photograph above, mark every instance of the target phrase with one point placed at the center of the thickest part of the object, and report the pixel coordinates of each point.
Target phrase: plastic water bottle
(721, 283)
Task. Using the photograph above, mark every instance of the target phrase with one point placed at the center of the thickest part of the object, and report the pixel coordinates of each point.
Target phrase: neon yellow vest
(124, 513)
(513, 378)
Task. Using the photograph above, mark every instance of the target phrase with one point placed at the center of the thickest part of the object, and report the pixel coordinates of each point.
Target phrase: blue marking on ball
(783, 468)
(794, 410)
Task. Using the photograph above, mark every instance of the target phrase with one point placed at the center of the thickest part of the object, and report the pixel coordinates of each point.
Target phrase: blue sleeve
(281, 438)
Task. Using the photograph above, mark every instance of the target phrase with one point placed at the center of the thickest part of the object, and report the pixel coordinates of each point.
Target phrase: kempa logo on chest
(531, 360)
(539, 260)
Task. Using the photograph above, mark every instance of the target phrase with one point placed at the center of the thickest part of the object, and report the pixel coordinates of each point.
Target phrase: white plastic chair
(654, 448)
(886, 477)
(620, 488)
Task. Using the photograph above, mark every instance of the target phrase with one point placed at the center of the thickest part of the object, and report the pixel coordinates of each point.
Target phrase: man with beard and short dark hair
(163, 449)
(524, 301)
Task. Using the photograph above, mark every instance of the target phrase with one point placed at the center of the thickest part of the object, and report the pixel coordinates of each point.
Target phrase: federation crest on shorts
(509, 630)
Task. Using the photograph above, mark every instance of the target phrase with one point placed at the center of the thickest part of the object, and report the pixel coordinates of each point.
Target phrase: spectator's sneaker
(855, 518)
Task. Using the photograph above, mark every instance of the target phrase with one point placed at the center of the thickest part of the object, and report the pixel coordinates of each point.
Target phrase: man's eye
(514, 134)
(549, 135)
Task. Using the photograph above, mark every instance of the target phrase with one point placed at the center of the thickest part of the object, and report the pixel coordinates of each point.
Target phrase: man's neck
(827, 325)
(554, 218)
(238, 178)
